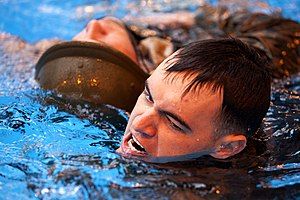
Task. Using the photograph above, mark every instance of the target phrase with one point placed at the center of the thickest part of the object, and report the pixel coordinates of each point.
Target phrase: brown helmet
(91, 72)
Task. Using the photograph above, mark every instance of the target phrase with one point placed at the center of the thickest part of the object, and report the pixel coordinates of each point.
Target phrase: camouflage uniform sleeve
(278, 37)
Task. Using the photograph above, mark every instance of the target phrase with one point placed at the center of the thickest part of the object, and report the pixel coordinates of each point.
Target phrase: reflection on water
(51, 148)
(36, 22)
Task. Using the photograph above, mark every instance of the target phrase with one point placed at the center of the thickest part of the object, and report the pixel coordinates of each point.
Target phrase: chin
(132, 149)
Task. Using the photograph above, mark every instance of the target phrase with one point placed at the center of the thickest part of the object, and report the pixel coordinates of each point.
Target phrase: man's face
(166, 125)
(110, 31)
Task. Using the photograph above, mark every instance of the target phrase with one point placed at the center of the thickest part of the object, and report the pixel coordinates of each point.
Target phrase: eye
(147, 95)
(174, 124)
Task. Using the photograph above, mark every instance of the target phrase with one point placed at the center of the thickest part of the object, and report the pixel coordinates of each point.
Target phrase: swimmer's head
(100, 65)
(112, 32)
(207, 98)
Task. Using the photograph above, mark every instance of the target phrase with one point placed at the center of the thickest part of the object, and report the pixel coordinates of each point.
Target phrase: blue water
(54, 149)
(35, 20)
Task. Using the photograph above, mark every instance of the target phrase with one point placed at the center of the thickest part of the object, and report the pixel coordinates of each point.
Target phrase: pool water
(54, 149)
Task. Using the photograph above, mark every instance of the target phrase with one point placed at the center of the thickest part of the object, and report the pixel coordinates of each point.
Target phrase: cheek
(121, 41)
(172, 143)
(118, 39)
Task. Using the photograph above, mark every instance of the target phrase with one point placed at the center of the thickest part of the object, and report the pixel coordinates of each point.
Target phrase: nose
(95, 29)
(146, 123)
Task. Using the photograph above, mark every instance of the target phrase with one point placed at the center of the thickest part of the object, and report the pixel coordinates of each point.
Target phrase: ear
(229, 145)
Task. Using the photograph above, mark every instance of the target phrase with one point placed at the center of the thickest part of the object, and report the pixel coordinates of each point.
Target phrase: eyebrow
(174, 116)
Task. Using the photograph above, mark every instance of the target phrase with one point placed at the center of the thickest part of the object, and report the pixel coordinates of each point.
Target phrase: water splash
(53, 149)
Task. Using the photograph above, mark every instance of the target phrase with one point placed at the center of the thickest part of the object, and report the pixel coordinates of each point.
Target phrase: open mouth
(135, 145)
(132, 147)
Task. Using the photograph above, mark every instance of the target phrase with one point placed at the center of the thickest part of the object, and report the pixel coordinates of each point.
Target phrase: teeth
(136, 141)
(131, 146)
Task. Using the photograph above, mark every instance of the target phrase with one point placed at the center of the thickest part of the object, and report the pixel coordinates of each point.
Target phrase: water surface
(54, 149)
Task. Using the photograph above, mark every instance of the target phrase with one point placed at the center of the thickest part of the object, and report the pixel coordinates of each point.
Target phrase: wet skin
(111, 31)
(164, 124)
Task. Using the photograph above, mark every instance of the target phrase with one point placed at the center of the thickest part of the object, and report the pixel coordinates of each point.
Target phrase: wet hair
(243, 72)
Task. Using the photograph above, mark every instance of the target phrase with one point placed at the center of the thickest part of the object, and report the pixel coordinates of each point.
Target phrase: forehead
(196, 107)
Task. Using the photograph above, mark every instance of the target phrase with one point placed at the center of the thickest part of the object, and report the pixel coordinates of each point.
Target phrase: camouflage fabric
(279, 38)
